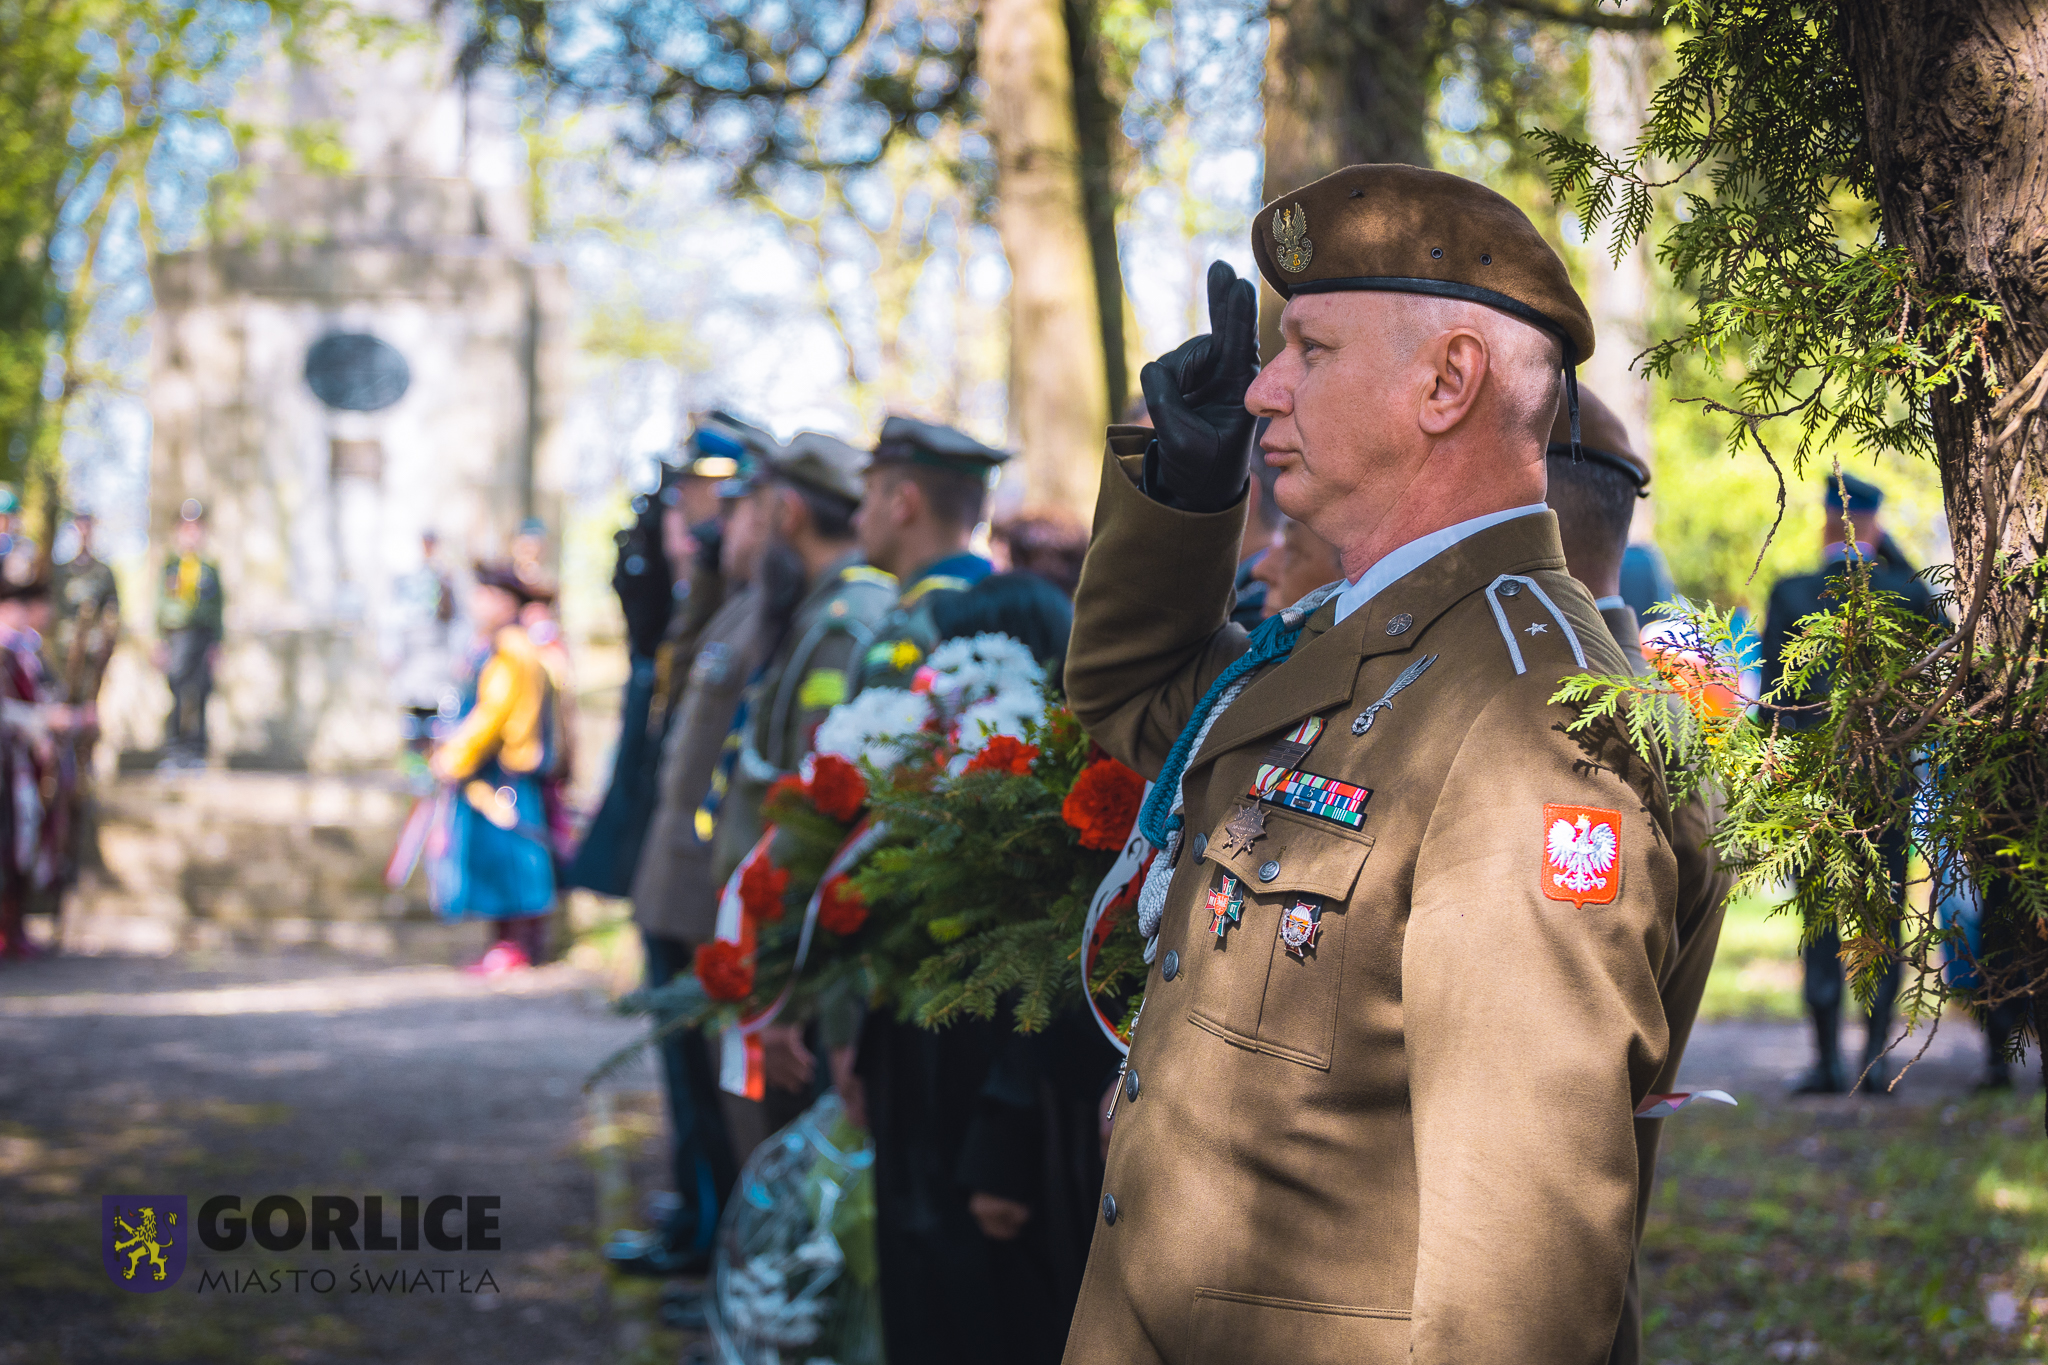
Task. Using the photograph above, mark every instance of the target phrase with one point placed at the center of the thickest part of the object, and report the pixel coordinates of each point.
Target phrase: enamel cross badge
(1226, 906)
(1299, 925)
(1581, 854)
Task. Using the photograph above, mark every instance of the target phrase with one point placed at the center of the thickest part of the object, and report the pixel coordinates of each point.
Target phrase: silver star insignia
(1537, 627)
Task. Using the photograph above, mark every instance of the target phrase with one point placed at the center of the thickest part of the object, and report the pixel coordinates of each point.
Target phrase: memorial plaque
(356, 372)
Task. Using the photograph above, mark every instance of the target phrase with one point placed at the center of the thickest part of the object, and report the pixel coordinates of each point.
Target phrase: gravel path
(302, 1076)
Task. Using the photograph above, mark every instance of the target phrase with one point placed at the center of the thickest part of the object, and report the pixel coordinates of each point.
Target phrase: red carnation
(789, 784)
(1103, 803)
(837, 788)
(842, 910)
(761, 888)
(1003, 754)
(726, 971)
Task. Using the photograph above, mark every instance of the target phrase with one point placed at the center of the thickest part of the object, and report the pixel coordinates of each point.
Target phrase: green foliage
(1776, 234)
(984, 890)
(1886, 722)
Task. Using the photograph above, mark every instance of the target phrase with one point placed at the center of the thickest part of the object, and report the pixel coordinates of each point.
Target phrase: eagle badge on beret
(1291, 246)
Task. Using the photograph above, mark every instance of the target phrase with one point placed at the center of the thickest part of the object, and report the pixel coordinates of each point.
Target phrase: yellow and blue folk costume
(492, 857)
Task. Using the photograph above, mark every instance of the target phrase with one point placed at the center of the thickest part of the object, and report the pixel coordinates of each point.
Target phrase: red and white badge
(1581, 854)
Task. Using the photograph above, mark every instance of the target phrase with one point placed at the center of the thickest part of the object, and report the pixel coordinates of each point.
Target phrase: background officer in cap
(926, 487)
(1594, 496)
(189, 614)
(1331, 1145)
(1852, 535)
(702, 668)
(667, 580)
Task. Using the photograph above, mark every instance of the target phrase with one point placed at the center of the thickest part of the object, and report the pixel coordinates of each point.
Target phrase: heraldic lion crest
(1291, 247)
(147, 1240)
(142, 1240)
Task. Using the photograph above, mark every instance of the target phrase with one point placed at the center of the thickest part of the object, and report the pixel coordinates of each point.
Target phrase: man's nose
(1272, 393)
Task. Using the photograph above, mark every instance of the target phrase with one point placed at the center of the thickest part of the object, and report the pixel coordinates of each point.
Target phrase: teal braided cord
(1274, 639)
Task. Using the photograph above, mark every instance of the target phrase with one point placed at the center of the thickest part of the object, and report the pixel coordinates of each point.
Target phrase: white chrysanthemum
(973, 669)
(874, 726)
(1014, 711)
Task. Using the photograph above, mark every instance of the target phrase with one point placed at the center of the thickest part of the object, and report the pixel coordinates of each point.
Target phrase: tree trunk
(1097, 134)
(1347, 82)
(1058, 394)
(1955, 96)
(1618, 296)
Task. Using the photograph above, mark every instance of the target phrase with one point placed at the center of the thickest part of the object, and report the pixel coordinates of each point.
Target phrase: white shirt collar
(1418, 552)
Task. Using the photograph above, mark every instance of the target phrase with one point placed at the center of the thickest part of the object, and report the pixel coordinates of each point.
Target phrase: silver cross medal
(1408, 675)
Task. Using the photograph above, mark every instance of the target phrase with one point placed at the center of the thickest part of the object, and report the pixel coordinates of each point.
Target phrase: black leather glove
(1201, 455)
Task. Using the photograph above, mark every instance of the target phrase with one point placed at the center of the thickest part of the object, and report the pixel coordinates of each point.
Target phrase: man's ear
(1461, 363)
(910, 500)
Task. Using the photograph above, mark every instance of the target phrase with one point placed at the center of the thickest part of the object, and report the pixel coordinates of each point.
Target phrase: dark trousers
(702, 1152)
(1824, 983)
(190, 675)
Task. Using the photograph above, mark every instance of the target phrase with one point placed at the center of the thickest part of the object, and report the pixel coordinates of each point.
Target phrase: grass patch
(1756, 967)
(1850, 1233)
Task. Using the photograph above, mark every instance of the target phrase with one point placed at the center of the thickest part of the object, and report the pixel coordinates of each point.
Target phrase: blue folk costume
(491, 856)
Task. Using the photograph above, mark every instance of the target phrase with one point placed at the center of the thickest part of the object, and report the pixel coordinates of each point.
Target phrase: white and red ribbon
(739, 1046)
(1128, 867)
(1663, 1106)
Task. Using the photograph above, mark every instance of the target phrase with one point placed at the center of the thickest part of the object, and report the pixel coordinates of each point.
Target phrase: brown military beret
(1603, 438)
(1406, 230)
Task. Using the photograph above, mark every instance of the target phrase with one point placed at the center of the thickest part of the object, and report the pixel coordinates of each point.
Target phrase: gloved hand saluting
(1201, 455)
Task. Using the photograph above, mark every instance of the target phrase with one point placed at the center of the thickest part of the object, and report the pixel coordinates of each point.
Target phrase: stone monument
(369, 352)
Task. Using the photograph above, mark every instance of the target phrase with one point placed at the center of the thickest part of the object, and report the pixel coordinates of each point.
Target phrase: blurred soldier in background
(675, 899)
(1852, 536)
(188, 627)
(1297, 562)
(665, 602)
(36, 766)
(81, 640)
(1594, 496)
(926, 488)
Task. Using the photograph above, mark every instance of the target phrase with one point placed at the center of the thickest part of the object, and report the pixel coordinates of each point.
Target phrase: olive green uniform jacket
(1415, 1141)
(906, 636)
(1702, 897)
(674, 895)
(811, 672)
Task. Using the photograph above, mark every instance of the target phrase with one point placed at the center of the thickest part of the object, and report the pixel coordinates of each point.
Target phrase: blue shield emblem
(142, 1240)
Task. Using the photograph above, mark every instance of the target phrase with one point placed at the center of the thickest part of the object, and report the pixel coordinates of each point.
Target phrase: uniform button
(1399, 625)
(1109, 1209)
(1511, 589)
(1269, 869)
(1130, 1085)
(1170, 968)
(1201, 844)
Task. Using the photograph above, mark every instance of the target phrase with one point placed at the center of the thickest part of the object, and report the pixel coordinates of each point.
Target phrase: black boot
(1825, 1076)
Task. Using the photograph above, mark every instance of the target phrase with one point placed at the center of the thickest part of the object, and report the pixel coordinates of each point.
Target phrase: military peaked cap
(1603, 439)
(823, 464)
(905, 439)
(1864, 496)
(721, 446)
(1406, 230)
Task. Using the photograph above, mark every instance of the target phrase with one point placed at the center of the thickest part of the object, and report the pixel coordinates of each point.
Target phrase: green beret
(1406, 230)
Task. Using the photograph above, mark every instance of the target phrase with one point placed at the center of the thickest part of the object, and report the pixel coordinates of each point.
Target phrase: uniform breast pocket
(1284, 985)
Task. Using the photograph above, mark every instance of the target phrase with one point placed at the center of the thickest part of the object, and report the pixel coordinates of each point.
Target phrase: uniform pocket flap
(1296, 852)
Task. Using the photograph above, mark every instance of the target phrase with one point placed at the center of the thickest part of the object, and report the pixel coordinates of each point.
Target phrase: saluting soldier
(926, 487)
(1409, 928)
(821, 606)
(1594, 494)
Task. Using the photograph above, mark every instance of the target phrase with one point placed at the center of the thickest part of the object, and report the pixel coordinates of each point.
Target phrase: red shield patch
(1581, 854)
